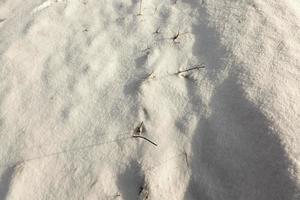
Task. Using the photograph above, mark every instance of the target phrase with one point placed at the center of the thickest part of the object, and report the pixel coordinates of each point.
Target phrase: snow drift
(214, 83)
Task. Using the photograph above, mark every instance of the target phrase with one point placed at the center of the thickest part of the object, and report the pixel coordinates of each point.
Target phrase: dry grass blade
(190, 69)
(139, 136)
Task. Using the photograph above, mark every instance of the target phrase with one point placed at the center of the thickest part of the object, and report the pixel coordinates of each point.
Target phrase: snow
(80, 78)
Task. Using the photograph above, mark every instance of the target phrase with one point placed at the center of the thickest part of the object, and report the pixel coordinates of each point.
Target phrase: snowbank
(215, 83)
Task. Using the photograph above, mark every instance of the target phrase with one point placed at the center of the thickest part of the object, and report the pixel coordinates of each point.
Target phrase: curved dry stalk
(190, 69)
(139, 136)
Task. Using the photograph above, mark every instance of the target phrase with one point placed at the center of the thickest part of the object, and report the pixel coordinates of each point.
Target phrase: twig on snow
(198, 67)
(139, 136)
(138, 131)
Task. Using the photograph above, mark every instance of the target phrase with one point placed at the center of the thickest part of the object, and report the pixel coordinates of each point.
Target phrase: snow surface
(78, 77)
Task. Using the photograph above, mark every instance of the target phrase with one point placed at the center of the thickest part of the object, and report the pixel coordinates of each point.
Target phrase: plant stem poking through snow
(144, 192)
(138, 131)
(116, 196)
(157, 31)
(175, 37)
(186, 159)
(198, 67)
(150, 76)
(140, 12)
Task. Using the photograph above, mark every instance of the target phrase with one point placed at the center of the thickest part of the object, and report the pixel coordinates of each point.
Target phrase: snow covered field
(209, 88)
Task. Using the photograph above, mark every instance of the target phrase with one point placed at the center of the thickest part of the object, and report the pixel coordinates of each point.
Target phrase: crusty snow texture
(78, 78)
